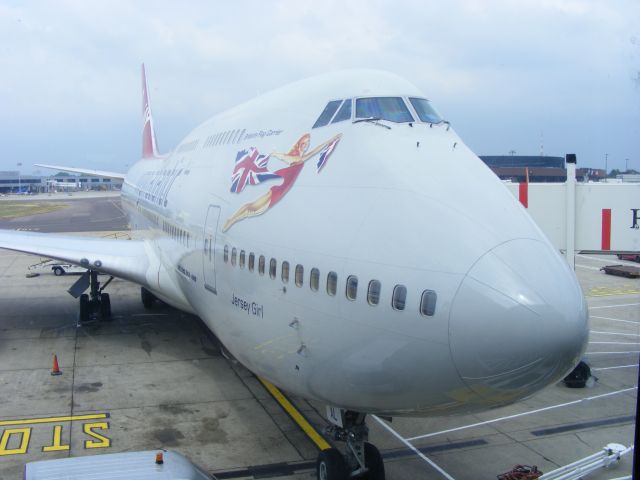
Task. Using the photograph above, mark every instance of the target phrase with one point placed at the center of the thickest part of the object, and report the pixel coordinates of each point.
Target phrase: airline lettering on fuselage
(252, 308)
(261, 134)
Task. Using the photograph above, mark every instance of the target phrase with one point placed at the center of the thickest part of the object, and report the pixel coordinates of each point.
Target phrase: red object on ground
(521, 472)
(56, 368)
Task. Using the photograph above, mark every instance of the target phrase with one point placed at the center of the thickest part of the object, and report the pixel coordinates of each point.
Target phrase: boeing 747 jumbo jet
(341, 241)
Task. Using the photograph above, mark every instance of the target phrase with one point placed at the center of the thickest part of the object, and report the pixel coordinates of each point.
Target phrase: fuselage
(387, 272)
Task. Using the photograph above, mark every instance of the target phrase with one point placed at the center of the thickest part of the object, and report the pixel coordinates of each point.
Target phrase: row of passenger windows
(177, 233)
(393, 109)
(223, 138)
(148, 214)
(398, 299)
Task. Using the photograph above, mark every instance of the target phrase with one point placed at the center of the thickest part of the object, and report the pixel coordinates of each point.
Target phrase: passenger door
(209, 248)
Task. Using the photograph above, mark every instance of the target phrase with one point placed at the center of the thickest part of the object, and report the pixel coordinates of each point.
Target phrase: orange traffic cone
(56, 369)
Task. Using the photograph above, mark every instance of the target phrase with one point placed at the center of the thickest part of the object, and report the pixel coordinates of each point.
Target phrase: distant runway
(95, 213)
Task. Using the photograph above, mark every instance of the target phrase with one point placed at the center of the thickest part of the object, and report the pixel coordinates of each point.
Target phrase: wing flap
(127, 259)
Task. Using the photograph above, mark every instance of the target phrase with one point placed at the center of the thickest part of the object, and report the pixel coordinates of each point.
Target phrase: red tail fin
(149, 146)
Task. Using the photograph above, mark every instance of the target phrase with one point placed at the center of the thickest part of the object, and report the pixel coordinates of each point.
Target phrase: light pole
(626, 165)
(19, 180)
(606, 162)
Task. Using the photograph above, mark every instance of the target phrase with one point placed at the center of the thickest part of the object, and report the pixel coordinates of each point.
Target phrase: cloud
(567, 68)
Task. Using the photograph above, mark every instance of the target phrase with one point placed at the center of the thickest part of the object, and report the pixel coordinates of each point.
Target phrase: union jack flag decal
(250, 168)
(325, 153)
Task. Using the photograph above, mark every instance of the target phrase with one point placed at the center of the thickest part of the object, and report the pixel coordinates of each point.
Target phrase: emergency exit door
(209, 248)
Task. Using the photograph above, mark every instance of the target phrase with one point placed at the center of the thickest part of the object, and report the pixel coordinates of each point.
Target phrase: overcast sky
(525, 75)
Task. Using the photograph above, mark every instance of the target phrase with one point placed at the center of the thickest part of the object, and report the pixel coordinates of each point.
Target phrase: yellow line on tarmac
(296, 416)
(30, 421)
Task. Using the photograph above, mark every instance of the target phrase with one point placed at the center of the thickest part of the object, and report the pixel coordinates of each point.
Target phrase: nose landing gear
(360, 459)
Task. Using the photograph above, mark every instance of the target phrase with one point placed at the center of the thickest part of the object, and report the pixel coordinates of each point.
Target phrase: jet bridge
(592, 217)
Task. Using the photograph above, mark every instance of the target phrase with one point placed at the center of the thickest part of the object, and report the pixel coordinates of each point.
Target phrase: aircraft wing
(84, 171)
(127, 259)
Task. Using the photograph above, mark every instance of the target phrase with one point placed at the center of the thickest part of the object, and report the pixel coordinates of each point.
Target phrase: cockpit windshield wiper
(374, 120)
(441, 122)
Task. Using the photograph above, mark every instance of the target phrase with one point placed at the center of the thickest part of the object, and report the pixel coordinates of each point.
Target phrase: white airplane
(342, 242)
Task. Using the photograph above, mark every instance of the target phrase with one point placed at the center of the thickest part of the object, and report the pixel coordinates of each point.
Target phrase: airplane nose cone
(518, 322)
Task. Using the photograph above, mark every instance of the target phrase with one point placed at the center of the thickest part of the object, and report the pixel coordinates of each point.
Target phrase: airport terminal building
(15, 182)
(538, 168)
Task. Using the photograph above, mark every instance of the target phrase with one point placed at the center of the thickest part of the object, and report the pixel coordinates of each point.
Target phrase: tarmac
(158, 378)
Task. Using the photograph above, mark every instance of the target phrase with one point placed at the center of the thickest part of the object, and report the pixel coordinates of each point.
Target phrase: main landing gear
(360, 458)
(148, 298)
(97, 304)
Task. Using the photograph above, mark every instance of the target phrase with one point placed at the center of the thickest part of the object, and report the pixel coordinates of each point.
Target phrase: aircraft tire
(331, 466)
(105, 306)
(373, 461)
(58, 271)
(85, 308)
(147, 298)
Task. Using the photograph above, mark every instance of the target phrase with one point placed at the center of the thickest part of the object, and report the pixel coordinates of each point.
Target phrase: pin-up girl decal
(295, 158)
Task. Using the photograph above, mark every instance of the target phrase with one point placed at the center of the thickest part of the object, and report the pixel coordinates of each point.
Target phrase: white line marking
(615, 260)
(614, 306)
(611, 353)
(508, 417)
(415, 450)
(616, 333)
(587, 267)
(619, 366)
(614, 343)
(616, 319)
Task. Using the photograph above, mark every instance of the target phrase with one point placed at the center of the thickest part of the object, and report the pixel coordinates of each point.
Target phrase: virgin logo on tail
(149, 146)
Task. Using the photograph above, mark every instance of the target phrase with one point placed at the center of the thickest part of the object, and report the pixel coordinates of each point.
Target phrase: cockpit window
(327, 113)
(344, 113)
(425, 111)
(383, 108)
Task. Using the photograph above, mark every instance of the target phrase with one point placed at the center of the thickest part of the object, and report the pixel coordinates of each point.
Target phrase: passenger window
(285, 272)
(399, 297)
(373, 293)
(234, 252)
(314, 279)
(252, 261)
(352, 287)
(344, 113)
(385, 108)
(261, 261)
(242, 257)
(299, 275)
(428, 303)
(226, 253)
(332, 283)
(273, 265)
(327, 113)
